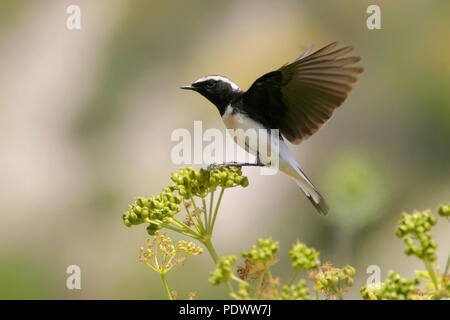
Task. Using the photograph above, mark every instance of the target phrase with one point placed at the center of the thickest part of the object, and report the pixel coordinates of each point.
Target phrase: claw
(234, 164)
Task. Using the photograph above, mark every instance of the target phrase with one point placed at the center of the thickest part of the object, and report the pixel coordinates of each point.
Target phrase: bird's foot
(231, 164)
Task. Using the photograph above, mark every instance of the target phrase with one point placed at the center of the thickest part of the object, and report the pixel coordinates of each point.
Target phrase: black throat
(222, 101)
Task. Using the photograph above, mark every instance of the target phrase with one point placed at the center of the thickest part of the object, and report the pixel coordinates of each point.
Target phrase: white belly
(246, 133)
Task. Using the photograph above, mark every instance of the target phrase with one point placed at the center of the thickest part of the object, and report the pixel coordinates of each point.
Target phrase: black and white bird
(297, 99)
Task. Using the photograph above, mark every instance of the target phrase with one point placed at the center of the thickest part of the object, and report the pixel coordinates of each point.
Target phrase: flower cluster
(161, 255)
(295, 292)
(189, 182)
(444, 211)
(394, 288)
(223, 270)
(417, 226)
(159, 211)
(335, 281)
(303, 257)
(189, 248)
(160, 208)
(265, 251)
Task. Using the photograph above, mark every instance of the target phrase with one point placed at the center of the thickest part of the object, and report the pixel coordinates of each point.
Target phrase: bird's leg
(237, 164)
(258, 159)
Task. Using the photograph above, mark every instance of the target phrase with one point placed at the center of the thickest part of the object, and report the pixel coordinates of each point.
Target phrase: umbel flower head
(190, 183)
(263, 252)
(295, 292)
(223, 271)
(394, 288)
(417, 226)
(157, 208)
(160, 210)
(161, 255)
(335, 281)
(303, 257)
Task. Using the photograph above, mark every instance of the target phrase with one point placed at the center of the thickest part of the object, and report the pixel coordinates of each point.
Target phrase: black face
(218, 91)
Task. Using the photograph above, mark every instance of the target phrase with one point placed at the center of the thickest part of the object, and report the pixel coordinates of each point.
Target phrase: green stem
(211, 250)
(163, 278)
(238, 280)
(205, 212)
(432, 273)
(269, 276)
(258, 286)
(217, 208)
(209, 246)
(211, 206)
(293, 277)
(151, 266)
(183, 225)
(198, 215)
(192, 219)
(189, 234)
(447, 265)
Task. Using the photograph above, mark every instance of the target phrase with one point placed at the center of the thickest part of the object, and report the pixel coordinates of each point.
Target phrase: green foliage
(394, 288)
(162, 211)
(415, 229)
(418, 226)
(254, 280)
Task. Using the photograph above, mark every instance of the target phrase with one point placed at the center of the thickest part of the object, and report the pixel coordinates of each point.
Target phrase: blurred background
(86, 117)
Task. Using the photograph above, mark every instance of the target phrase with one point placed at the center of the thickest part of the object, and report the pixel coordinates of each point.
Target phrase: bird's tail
(289, 166)
(311, 192)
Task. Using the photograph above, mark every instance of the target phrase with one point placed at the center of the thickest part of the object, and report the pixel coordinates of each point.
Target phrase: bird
(297, 99)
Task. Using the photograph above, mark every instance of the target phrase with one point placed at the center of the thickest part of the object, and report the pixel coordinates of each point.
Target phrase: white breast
(238, 121)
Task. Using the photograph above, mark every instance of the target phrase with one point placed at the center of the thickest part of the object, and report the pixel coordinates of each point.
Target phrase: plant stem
(208, 244)
(258, 286)
(198, 215)
(211, 206)
(432, 273)
(269, 276)
(192, 219)
(211, 250)
(205, 212)
(293, 277)
(186, 233)
(163, 278)
(217, 208)
(238, 280)
(447, 265)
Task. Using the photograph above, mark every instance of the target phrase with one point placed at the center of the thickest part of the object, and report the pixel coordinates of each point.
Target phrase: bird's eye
(210, 85)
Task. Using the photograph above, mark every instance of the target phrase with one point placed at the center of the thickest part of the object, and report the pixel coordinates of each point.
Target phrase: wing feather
(300, 97)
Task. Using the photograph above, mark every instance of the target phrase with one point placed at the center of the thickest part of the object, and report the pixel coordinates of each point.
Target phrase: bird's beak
(187, 87)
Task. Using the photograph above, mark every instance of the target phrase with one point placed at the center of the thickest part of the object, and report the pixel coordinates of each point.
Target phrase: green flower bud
(223, 270)
(303, 257)
(265, 251)
(152, 229)
(444, 211)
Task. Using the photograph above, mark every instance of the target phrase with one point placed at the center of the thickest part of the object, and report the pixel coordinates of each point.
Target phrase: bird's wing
(300, 97)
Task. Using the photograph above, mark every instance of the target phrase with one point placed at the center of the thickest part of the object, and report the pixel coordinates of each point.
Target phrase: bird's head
(217, 89)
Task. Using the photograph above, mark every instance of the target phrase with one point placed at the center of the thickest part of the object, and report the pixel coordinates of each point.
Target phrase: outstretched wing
(300, 97)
